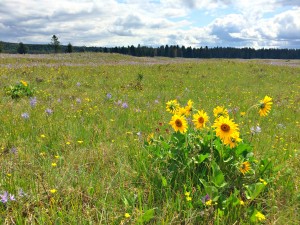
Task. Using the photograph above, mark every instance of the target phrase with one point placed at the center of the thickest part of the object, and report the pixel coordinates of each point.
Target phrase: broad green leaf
(147, 216)
(253, 190)
(212, 191)
(217, 175)
(202, 157)
(242, 148)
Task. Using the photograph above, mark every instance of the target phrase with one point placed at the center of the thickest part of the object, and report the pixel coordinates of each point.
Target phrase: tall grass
(86, 163)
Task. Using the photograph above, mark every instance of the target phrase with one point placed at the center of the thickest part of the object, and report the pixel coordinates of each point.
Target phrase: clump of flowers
(19, 90)
(215, 158)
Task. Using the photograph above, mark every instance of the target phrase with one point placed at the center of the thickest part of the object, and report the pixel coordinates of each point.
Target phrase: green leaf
(243, 148)
(253, 190)
(147, 216)
(164, 181)
(217, 176)
(212, 191)
(202, 157)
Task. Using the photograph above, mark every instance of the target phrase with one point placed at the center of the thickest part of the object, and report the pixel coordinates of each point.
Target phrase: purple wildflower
(33, 101)
(4, 197)
(156, 101)
(78, 100)
(21, 193)
(78, 84)
(49, 111)
(25, 115)
(14, 150)
(206, 198)
(12, 197)
(124, 105)
(108, 95)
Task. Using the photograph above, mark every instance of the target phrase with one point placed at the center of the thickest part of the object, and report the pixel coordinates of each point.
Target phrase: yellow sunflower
(200, 119)
(150, 138)
(24, 83)
(245, 167)
(233, 140)
(265, 106)
(225, 128)
(172, 106)
(220, 111)
(179, 123)
(189, 107)
(181, 111)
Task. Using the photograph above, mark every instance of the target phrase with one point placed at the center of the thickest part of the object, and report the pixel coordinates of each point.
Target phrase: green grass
(102, 167)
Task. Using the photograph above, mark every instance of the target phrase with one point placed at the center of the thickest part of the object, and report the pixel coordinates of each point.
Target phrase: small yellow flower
(243, 113)
(188, 198)
(43, 135)
(79, 142)
(53, 164)
(242, 202)
(263, 181)
(9, 174)
(53, 191)
(208, 203)
(24, 83)
(187, 193)
(260, 216)
(68, 143)
(57, 156)
(127, 215)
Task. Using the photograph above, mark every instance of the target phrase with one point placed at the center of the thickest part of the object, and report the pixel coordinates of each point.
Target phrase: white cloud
(150, 22)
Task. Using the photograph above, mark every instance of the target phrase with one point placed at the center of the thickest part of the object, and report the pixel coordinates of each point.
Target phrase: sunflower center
(262, 105)
(225, 127)
(178, 123)
(201, 120)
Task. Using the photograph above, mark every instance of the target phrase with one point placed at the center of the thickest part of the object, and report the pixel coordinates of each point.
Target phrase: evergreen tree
(1, 46)
(69, 48)
(22, 49)
(55, 43)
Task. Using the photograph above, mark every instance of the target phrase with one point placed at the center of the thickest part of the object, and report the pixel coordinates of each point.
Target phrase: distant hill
(166, 51)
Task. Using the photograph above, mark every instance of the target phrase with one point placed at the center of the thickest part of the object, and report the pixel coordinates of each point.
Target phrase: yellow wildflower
(260, 216)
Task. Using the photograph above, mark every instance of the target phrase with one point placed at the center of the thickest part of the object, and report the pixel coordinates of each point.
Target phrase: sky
(110, 23)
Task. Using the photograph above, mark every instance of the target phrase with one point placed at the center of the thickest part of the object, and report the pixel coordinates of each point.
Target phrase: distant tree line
(164, 50)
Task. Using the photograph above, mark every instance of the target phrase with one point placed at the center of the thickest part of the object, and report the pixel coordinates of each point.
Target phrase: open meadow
(85, 139)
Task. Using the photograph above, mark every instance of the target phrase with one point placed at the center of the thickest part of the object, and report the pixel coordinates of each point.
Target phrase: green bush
(211, 164)
(19, 90)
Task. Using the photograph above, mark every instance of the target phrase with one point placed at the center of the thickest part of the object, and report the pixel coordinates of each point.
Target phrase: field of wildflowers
(111, 139)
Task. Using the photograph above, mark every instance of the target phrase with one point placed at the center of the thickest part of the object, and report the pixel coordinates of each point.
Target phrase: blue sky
(227, 23)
